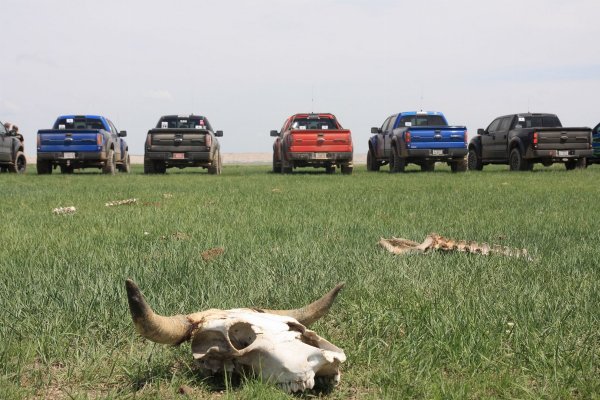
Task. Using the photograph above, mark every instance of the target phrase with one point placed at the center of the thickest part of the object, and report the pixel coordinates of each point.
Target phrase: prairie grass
(418, 326)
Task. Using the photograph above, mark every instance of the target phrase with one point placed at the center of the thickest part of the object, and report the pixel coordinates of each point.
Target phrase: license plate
(320, 156)
(437, 152)
(178, 156)
(68, 155)
(562, 153)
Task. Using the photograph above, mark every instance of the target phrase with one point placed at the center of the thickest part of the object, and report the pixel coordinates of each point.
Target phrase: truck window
(386, 124)
(421, 120)
(539, 121)
(79, 123)
(494, 125)
(314, 123)
(183, 123)
(505, 124)
(3, 130)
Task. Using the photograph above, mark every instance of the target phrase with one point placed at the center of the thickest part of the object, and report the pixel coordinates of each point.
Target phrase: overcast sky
(247, 65)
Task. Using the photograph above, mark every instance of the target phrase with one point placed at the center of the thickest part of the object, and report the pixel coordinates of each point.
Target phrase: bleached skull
(272, 344)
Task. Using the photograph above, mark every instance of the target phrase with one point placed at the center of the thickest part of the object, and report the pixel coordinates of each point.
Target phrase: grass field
(418, 326)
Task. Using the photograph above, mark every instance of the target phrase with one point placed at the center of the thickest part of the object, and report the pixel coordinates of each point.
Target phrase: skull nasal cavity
(241, 335)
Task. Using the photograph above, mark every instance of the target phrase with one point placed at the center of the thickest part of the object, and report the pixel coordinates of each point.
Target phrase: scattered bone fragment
(121, 202)
(63, 210)
(437, 242)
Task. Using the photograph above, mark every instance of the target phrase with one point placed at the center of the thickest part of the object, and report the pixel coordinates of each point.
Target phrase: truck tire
(330, 169)
(397, 163)
(110, 165)
(64, 169)
(126, 165)
(286, 166)
(372, 163)
(517, 162)
(347, 169)
(276, 165)
(20, 164)
(428, 166)
(579, 164)
(43, 167)
(474, 161)
(215, 169)
(148, 166)
(458, 165)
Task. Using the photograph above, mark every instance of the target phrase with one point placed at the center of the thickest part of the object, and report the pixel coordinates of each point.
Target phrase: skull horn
(312, 312)
(166, 330)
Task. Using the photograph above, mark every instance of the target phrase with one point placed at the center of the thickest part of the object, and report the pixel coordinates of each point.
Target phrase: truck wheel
(148, 166)
(20, 164)
(66, 169)
(330, 169)
(459, 165)
(347, 170)
(215, 169)
(276, 165)
(286, 167)
(110, 166)
(474, 161)
(160, 168)
(372, 163)
(516, 161)
(397, 163)
(126, 166)
(428, 166)
(44, 167)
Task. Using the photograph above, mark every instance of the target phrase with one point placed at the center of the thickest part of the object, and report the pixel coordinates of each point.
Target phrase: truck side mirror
(122, 134)
(481, 131)
(274, 133)
(375, 130)
(219, 133)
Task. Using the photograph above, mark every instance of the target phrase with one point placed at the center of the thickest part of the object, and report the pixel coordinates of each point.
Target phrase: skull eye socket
(241, 335)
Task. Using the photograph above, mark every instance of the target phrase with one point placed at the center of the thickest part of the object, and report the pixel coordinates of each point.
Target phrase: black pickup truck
(520, 140)
(182, 141)
(12, 158)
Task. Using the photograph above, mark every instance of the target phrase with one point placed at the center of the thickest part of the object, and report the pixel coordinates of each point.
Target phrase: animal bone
(63, 210)
(121, 202)
(437, 242)
(272, 344)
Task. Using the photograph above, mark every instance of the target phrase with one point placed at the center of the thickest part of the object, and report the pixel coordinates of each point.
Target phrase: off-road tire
(579, 164)
(397, 163)
(43, 167)
(215, 168)
(110, 166)
(347, 169)
(126, 165)
(330, 169)
(276, 165)
(149, 166)
(20, 164)
(428, 166)
(372, 163)
(458, 165)
(286, 166)
(516, 161)
(474, 162)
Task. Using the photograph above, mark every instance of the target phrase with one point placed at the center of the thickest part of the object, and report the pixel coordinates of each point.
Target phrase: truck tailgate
(179, 140)
(64, 140)
(437, 137)
(326, 140)
(563, 138)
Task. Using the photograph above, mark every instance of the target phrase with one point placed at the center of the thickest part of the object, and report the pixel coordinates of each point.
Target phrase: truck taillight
(148, 141)
(208, 140)
(535, 139)
(407, 137)
(39, 141)
(99, 139)
(466, 138)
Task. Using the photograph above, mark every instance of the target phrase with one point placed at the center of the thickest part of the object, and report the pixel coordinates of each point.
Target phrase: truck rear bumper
(557, 155)
(182, 159)
(436, 154)
(318, 157)
(75, 159)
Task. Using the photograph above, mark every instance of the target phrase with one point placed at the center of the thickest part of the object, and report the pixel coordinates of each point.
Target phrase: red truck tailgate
(314, 140)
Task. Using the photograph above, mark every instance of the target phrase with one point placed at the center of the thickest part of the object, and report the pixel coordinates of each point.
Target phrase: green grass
(418, 326)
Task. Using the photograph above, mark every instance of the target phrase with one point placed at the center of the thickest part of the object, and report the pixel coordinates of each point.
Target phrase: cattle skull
(272, 344)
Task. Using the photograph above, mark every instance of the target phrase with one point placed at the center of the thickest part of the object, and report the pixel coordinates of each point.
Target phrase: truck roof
(421, 113)
(183, 116)
(80, 115)
(313, 115)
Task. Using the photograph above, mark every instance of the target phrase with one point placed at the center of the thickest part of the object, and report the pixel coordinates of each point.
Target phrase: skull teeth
(300, 386)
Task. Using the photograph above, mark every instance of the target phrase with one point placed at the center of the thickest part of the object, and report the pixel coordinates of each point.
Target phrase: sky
(248, 65)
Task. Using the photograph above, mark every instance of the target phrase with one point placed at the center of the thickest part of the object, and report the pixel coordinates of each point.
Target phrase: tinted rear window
(538, 121)
(314, 123)
(78, 123)
(421, 120)
(183, 123)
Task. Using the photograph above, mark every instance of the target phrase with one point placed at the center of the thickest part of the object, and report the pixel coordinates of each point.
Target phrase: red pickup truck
(312, 140)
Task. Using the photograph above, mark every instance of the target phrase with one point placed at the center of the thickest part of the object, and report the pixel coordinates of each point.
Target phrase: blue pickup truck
(418, 137)
(82, 141)
(595, 158)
